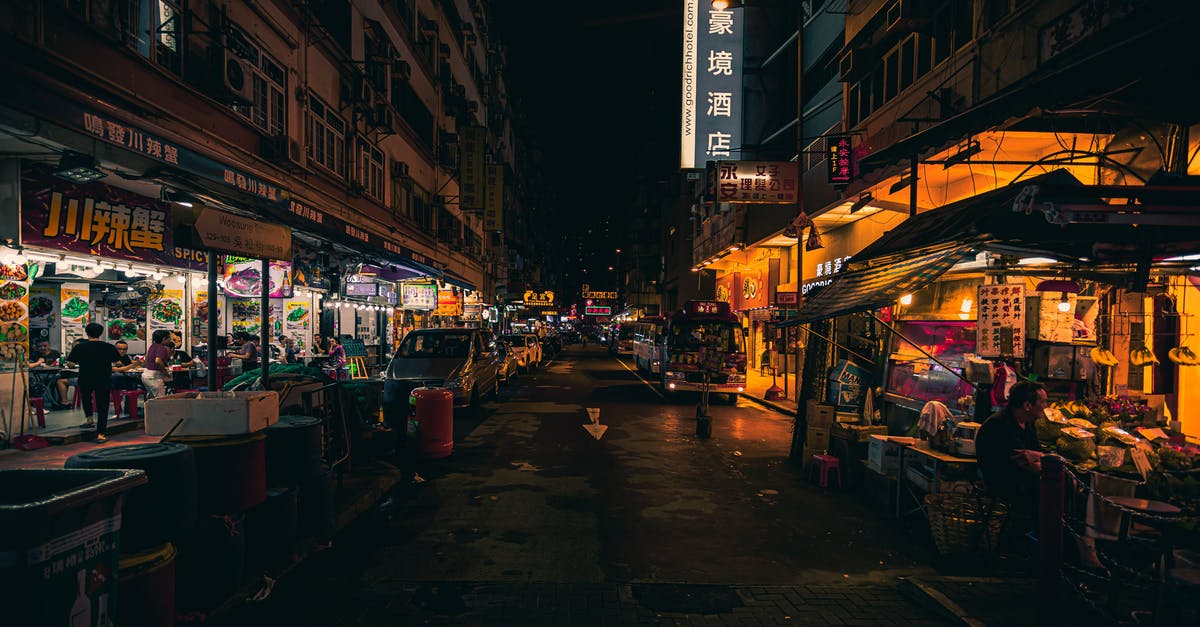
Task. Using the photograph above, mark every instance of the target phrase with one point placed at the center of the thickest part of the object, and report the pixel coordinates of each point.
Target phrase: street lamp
(722, 5)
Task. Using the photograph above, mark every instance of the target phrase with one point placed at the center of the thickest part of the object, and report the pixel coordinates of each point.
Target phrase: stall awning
(454, 279)
(415, 266)
(1014, 219)
(874, 288)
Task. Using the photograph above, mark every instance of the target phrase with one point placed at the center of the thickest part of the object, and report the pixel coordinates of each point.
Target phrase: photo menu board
(14, 314)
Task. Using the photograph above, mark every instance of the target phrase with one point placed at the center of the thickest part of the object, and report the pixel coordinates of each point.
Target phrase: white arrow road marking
(597, 431)
(595, 428)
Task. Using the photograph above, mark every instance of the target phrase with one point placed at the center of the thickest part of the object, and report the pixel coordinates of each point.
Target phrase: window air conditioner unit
(428, 26)
(851, 66)
(401, 69)
(904, 16)
(399, 170)
(237, 78)
(283, 150)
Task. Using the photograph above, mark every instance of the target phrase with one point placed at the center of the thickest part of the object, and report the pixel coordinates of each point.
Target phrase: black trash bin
(62, 539)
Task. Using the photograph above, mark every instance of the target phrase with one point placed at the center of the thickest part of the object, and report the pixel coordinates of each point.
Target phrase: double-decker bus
(648, 334)
(700, 326)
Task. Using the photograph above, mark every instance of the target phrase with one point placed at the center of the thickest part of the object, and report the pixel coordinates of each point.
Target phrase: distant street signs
(589, 293)
(229, 233)
(595, 310)
(539, 299)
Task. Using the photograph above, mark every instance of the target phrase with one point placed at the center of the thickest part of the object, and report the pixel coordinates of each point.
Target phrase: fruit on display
(1103, 357)
(1184, 356)
(1142, 357)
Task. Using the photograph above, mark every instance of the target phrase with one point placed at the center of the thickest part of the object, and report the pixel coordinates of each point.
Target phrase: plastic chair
(826, 464)
(77, 402)
(131, 401)
(39, 406)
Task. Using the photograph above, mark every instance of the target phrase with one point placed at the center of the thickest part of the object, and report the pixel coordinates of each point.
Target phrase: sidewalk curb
(783, 409)
(925, 595)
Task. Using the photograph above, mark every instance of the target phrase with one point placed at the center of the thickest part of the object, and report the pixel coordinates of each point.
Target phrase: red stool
(40, 407)
(826, 464)
(131, 400)
(78, 401)
(114, 397)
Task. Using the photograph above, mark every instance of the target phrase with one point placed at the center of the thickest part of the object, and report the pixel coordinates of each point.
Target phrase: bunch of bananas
(1103, 357)
(1183, 356)
(1143, 357)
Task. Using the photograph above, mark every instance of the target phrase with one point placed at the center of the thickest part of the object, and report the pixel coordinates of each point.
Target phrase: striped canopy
(874, 288)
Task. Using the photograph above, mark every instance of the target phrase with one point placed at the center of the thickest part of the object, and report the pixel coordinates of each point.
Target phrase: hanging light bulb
(1064, 305)
(20, 259)
(967, 303)
(181, 278)
(906, 299)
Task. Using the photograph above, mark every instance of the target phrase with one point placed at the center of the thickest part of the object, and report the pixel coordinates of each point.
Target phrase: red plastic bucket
(435, 420)
(146, 588)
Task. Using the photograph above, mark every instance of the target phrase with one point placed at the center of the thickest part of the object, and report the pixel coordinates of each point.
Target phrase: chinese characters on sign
(712, 83)
(766, 182)
(539, 298)
(149, 145)
(593, 310)
(1000, 307)
(841, 168)
(825, 271)
(94, 219)
(423, 296)
(493, 199)
(587, 292)
(709, 307)
(231, 233)
(470, 164)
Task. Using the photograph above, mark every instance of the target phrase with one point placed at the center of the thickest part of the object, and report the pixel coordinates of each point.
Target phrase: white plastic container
(212, 413)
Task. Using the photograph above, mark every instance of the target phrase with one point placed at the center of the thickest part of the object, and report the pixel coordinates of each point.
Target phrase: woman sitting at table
(289, 350)
(66, 380)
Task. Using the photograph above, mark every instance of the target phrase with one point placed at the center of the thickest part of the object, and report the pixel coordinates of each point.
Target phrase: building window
(402, 204)
(422, 211)
(326, 137)
(368, 168)
(269, 111)
(156, 31)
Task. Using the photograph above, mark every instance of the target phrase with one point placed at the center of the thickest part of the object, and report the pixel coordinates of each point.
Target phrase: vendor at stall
(248, 352)
(1010, 457)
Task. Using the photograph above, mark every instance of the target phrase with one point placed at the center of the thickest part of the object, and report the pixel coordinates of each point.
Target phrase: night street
(532, 518)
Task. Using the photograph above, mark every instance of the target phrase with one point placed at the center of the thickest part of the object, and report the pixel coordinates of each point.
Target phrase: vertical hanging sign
(711, 127)
(841, 166)
(470, 163)
(493, 199)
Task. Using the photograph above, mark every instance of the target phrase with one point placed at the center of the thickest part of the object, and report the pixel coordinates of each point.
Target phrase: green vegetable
(297, 314)
(1076, 450)
(75, 307)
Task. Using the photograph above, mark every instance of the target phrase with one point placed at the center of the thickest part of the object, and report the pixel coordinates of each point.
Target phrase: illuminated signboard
(764, 182)
(706, 307)
(423, 296)
(539, 298)
(595, 310)
(587, 292)
(712, 84)
(841, 168)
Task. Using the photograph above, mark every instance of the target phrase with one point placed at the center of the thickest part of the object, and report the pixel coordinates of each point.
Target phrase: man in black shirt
(95, 359)
(1010, 457)
(43, 355)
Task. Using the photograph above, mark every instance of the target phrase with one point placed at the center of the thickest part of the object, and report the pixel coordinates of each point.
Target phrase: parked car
(462, 360)
(526, 348)
(508, 361)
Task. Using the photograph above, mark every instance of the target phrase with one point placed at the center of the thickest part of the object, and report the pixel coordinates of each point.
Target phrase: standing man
(95, 359)
(249, 354)
(158, 358)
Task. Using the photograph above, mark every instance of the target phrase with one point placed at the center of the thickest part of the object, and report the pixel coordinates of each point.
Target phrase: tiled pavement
(479, 603)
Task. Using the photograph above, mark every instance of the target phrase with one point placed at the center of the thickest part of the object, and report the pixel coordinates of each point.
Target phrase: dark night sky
(595, 82)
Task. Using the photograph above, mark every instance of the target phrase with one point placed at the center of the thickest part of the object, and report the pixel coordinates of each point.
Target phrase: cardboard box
(818, 437)
(845, 416)
(819, 414)
(856, 433)
(883, 453)
(212, 413)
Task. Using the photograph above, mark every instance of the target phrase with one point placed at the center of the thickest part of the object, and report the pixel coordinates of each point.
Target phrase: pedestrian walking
(158, 356)
(95, 358)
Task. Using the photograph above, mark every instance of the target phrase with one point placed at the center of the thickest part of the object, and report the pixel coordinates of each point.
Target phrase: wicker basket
(964, 524)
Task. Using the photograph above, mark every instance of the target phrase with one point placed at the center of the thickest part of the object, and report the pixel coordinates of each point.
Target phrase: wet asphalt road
(530, 498)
